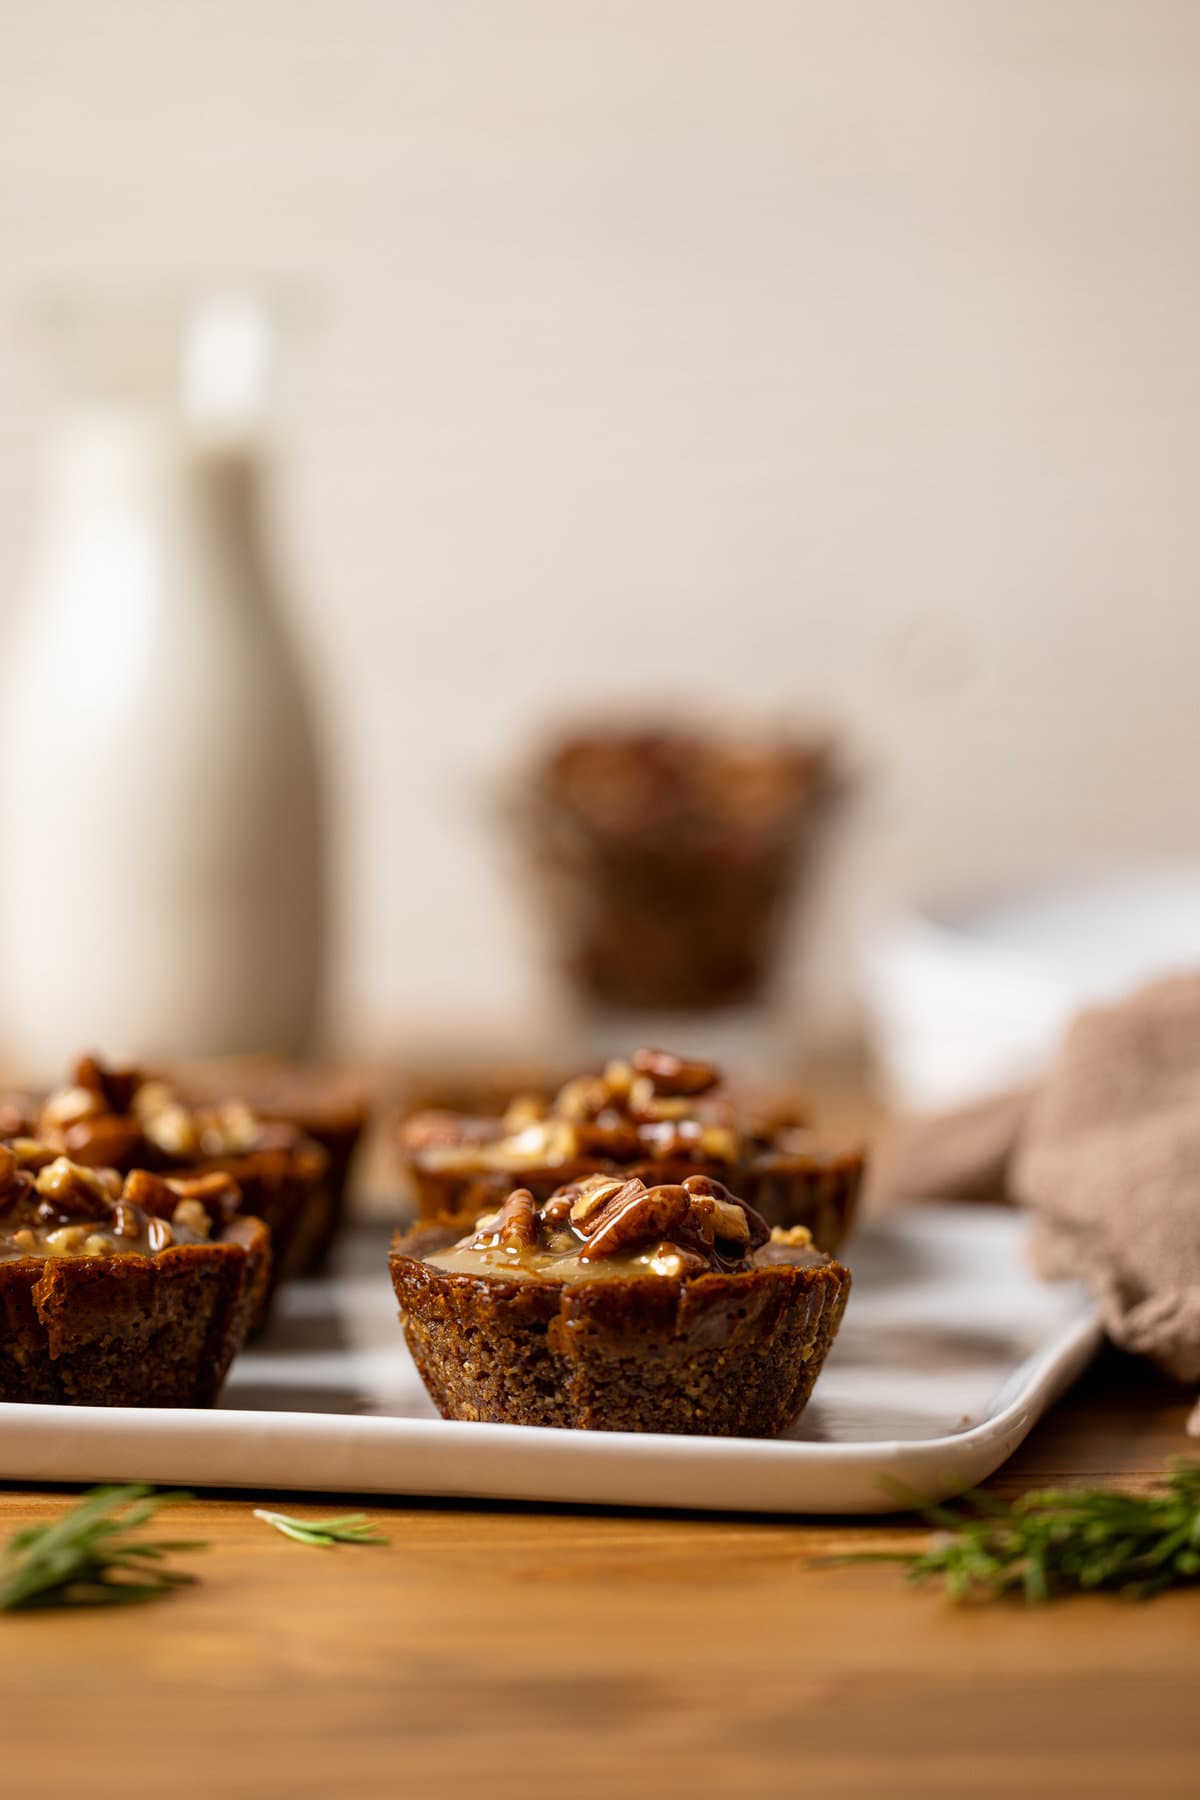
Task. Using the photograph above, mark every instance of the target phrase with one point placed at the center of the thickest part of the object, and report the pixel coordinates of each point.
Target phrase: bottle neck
(127, 487)
(109, 452)
(105, 454)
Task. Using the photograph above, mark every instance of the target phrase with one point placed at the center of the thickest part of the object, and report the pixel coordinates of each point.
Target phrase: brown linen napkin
(1109, 1160)
(962, 1155)
(1106, 1154)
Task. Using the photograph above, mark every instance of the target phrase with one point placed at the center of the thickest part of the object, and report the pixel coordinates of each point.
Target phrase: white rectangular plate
(948, 1354)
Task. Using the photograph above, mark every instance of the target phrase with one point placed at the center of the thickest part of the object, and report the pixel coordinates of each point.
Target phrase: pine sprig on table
(1060, 1541)
(88, 1557)
(347, 1528)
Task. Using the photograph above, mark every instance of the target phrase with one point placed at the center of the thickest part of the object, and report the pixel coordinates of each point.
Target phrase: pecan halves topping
(588, 1199)
(677, 1229)
(67, 1209)
(699, 1217)
(634, 1215)
(514, 1227)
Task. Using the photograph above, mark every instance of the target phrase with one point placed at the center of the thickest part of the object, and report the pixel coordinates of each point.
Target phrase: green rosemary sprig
(1060, 1541)
(347, 1528)
(88, 1556)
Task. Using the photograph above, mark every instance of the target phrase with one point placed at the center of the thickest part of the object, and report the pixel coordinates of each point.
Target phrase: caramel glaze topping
(50, 1206)
(604, 1227)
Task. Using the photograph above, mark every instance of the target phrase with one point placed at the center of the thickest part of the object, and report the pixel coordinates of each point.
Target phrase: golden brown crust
(131, 1330)
(731, 1355)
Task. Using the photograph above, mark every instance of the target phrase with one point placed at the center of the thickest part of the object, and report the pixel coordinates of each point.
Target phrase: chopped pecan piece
(212, 1187)
(115, 1087)
(645, 1102)
(723, 1219)
(170, 1127)
(125, 1222)
(672, 1075)
(71, 1191)
(525, 1109)
(159, 1236)
(557, 1211)
(110, 1140)
(67, 1240)
(435, 1129)
(202, 1201)
(673, 1260)
(611, 1137)
(618, 1078)
(582, 1099)
(31, 1154)
(67, 1107)
(729, 1220)
(151, 1193)
(192, 1215)
(792, 1237)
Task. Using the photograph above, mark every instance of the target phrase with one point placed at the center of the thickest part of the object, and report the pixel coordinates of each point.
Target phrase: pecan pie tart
(133, 1290)
(125, 1120)
(614, 1305)
(667, 858)
(657, 1115)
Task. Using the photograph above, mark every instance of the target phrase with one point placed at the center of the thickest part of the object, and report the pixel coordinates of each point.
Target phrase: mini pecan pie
(667, 859)
(656, 1114)
(617, 1306)
(121, 1119)
(121, 1291)
(614, 1305)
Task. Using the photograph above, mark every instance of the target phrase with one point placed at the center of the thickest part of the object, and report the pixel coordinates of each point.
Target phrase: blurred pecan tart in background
(617, 1306)
(667, 859)
(122, 1119)
(121, 1291)
(658, 1115)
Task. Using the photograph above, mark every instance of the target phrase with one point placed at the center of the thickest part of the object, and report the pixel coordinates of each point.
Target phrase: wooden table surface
(496, 1650)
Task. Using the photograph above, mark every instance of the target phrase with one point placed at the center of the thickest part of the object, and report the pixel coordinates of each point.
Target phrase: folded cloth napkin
(962, 1155)
(1106, 1154)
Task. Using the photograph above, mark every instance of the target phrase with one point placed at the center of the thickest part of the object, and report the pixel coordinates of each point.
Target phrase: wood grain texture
(507, 1650)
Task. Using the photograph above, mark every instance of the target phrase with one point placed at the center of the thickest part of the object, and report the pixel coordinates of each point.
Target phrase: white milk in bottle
(158, 784)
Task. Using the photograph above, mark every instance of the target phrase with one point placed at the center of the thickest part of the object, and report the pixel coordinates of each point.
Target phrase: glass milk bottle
(158, 784)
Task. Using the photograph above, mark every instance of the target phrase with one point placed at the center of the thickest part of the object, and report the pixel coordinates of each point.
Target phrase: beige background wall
(835, 360)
